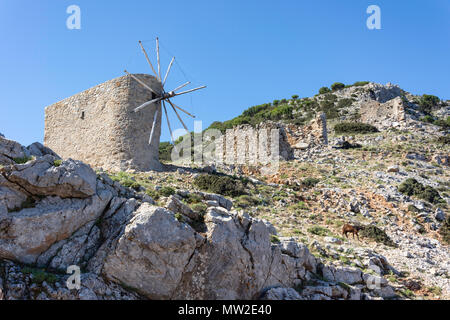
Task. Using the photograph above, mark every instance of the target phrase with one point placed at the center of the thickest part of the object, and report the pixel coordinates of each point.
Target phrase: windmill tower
(116, 125)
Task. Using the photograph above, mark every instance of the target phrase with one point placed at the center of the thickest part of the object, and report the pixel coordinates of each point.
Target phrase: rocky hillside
(236, 232)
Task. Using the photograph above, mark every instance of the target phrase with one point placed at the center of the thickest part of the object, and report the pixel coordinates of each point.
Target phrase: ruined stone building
(99, 126)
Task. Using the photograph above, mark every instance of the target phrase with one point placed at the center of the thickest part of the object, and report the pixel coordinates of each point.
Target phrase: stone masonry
(98, 126)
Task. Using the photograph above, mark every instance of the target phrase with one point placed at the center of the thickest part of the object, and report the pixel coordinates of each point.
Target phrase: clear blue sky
(247, 52)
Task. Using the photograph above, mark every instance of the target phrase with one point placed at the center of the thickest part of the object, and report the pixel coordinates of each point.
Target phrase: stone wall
(313, 134)
(245, 144)
(99, 126)
(383, 115)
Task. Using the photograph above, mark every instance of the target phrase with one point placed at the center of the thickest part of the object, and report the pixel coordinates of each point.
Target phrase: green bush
(310, 182)
(220, 184)
(199, 208)
(252, 111)
(428, 102)
(444, 139)
(444, 231)
(165, 151)
(22, 160)
(282, 111)
(354, 128)
(166, 191)
(319, 231)
(126, 180)
(39, 276)
(295, 97)
(344, 103)
(428, 119)
(57, 163)
(274, 239)
(152, 193)
(245, 201)
(337, 86)
(411, 187)
(324, 90)
(193, 198)
(376, 234)
(361, 83)
(445, 124)
(329, 108)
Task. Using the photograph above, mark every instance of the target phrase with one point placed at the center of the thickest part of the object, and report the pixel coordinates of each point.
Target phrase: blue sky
(247, 52)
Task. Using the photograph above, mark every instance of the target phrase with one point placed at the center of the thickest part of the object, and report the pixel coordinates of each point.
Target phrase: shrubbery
(319, 231)
(165, 151)
(376, 234)
(22, 160)
(411, 187)
(221, 184)
(282, 111)
(444, 139)
(344, 103)
(310, 182)
(324, 90)
(444, 231)
(360, 83)
(127, 181)
(337, 86)
(166, 191)
(354, 127)
(428, 102)
(445, 124)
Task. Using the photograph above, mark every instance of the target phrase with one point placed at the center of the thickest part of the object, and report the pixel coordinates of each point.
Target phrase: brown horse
(352, 229)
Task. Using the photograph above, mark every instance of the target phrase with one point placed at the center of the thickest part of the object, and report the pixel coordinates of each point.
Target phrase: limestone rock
(152, 253)
(9, 150)
(439, 214)
(24, 235)
(71, 179)
(10, 197)
(37, 149)
(176, 206)
(281, 294)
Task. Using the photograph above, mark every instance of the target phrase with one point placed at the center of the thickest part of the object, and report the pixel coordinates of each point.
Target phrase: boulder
(39, 150)
(176, 206)
(10, 197)
(42, 177)
(439, 214)
(26, 234)
(221, 200)
(10, 150)
(152, 253)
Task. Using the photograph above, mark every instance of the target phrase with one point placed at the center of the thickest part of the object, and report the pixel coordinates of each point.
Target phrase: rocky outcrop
(56, 214)
(10, 150)
(37, 149)
(42, 177)
(26, 234)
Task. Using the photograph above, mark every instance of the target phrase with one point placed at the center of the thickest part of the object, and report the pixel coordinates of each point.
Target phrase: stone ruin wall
(313, 134)
(98, 126)
(247, 145)
(383, 114)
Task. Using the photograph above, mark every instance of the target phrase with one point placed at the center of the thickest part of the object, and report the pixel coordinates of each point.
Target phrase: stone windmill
(160, 95)
(108, 126)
